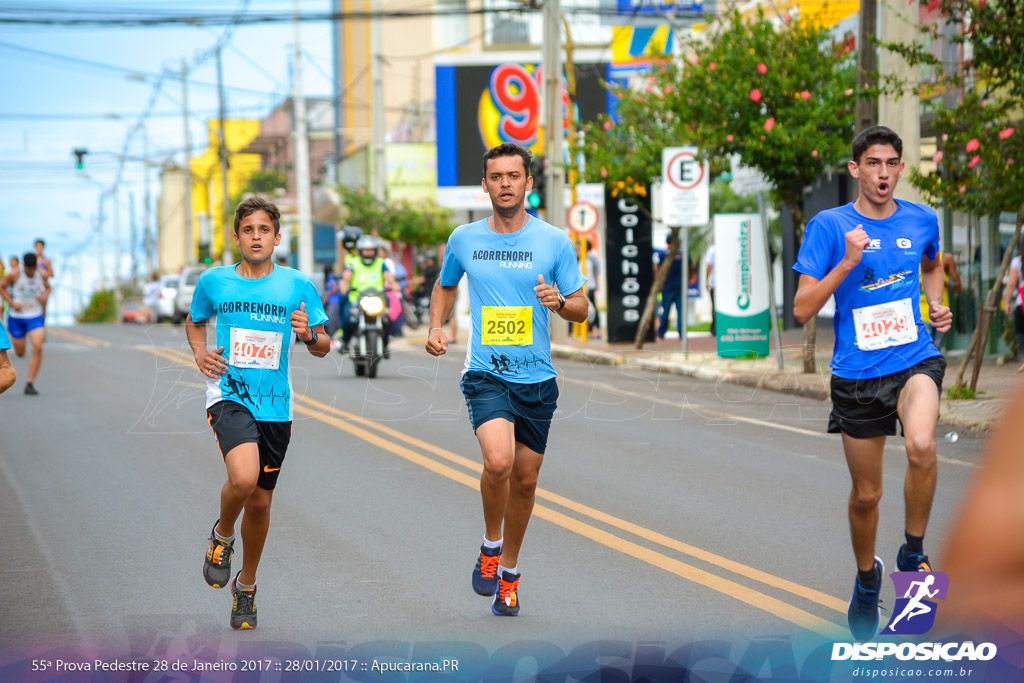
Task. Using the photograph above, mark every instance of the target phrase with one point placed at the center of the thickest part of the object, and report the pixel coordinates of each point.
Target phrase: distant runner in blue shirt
(260, 309)
(885, 367)
(518, 269)
(8, 375)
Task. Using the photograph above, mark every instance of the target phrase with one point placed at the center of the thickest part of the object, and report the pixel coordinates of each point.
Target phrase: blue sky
(52, 105)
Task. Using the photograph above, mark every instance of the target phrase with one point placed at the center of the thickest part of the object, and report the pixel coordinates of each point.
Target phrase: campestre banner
(742, 318)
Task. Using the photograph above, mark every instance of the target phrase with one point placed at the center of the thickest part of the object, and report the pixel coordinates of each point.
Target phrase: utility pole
(574, 171)
(99, 241)
(867, 65)
(117, 247)
(339, 70)
(378, 183)
(304, 197)
(148, 217)
(226, 257)
(189, 237)
(552, 101)
(133, 239)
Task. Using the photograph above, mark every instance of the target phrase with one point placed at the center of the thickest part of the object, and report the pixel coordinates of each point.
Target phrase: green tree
(423, 224)
(102, 308)
(266, 182)
(981, 155)
(780, 97)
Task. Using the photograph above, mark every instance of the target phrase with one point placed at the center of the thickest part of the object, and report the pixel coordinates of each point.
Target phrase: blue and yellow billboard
(484, 100)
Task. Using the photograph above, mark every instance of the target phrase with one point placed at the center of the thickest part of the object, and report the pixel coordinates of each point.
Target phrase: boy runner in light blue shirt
(885, 367)
(260, 309)
(518, 268)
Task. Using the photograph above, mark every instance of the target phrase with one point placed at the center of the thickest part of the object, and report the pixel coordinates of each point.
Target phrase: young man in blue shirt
(260, 308)
(885, 367)
(518, 268)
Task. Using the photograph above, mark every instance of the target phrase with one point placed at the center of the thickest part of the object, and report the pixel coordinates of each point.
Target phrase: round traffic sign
(583, 217)
(685, 171)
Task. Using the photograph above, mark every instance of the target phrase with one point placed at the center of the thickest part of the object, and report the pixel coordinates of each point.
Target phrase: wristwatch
(561, 301)
(312, 340)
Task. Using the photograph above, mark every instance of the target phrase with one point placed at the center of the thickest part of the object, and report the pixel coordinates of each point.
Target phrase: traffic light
(80, 153)
(535, 197)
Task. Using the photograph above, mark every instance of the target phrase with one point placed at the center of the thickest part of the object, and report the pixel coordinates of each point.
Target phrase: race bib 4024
(260, 349)
(506, 325)
(884, 325)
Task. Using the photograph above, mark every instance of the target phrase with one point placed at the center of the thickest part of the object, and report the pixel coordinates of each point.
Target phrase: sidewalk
(995, 383)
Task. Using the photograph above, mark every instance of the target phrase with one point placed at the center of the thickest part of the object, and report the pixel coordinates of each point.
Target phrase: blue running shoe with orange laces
(506, 600)
(485, 574)
(912, 562)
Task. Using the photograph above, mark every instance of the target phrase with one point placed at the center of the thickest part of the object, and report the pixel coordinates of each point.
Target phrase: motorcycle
(417, 308)
(367, 344)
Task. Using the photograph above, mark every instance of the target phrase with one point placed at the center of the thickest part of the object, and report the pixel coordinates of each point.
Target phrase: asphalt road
(670, 509)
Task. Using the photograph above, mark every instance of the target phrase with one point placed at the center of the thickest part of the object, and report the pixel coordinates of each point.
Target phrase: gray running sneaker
(243, 609)
(217, 565)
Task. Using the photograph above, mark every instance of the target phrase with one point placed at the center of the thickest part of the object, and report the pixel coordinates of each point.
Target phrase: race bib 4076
(260, 349)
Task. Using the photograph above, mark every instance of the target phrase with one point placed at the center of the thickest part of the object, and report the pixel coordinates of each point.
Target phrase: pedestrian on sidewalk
(593, 275)
(261, 308)
(1012, 300)
(885, 368)
(709, 276)
(518, 269)
(672, 291)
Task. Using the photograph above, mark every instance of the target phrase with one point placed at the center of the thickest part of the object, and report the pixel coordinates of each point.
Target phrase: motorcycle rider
(368, 271)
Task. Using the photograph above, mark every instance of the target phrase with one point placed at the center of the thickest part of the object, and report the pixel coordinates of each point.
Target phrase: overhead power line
(124, 71)
(65, 16)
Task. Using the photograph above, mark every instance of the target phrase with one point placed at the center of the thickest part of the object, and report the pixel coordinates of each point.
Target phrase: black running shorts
(234, 425)
(528, 406)
(866, 408)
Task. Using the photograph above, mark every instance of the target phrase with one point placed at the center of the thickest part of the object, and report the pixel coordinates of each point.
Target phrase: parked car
(165, 301)
(134, 310)
(186, 286)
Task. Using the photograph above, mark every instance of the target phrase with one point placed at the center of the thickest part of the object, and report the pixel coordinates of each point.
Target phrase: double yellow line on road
(392, 440)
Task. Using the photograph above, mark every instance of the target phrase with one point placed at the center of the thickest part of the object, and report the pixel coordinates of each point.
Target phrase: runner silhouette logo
(914, 612)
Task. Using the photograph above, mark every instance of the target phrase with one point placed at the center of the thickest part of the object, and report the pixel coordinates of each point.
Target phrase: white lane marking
(604, 386)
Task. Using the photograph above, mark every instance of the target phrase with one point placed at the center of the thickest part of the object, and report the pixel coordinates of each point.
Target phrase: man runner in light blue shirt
(260, 309)
(885, 368)
(518, 269)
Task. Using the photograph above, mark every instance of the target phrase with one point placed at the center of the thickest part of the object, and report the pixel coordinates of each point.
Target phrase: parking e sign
(685, 187)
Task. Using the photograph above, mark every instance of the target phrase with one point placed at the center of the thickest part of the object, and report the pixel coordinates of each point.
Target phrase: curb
(950, 413)
(773, 383)
(655, 365)
(590, 355)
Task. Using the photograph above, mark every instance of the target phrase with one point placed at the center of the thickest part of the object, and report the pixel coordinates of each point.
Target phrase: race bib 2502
(506, 325)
